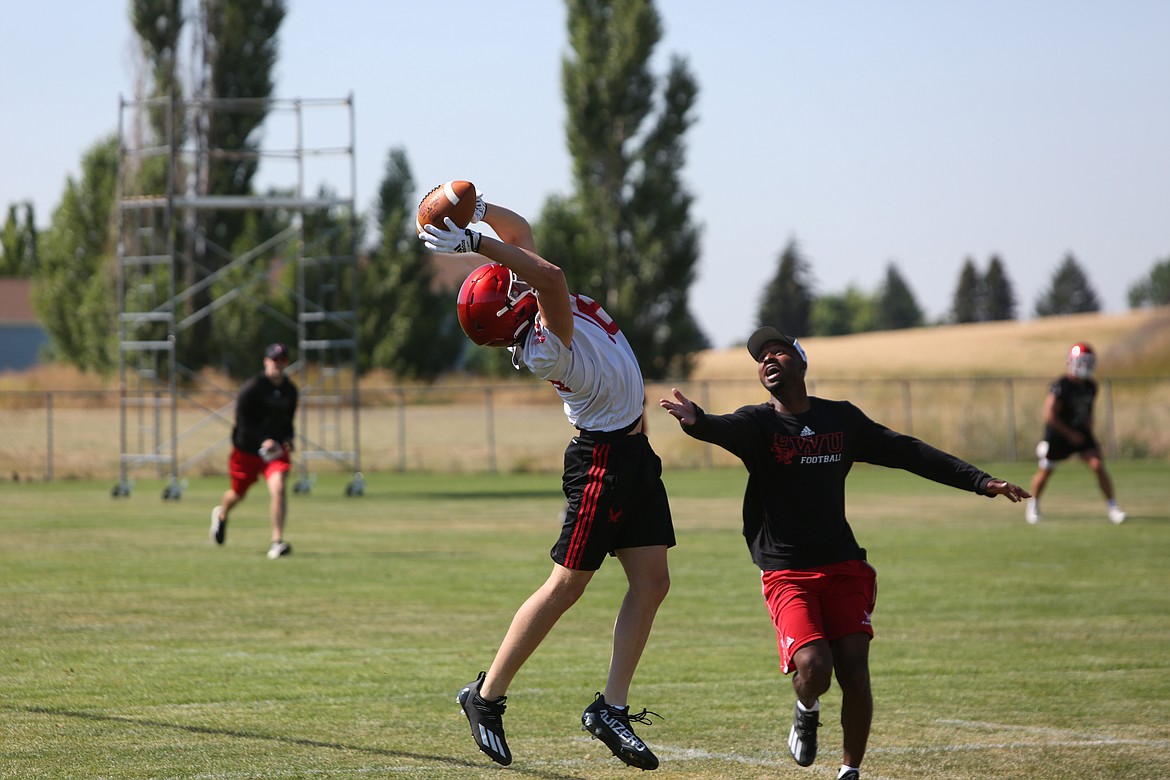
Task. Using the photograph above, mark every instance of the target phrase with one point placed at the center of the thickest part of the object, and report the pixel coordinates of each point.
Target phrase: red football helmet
(495, 308)
(1081, 360)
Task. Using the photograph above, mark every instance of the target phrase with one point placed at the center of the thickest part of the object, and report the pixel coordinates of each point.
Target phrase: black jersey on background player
(1068, 431)
(264, 410)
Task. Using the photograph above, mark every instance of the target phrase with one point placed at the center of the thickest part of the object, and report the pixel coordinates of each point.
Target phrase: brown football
(454, 199)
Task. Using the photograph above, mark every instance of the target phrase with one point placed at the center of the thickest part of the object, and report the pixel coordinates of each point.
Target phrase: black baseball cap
(756, 342)
(276, 351)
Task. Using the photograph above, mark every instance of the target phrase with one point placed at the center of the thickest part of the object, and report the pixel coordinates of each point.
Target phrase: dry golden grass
(988, 406)
(1137, 342)
(1133, 343)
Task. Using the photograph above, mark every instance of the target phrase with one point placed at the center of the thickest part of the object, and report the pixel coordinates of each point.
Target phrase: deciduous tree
(625, 236)
(74, 291)
(1154, 288)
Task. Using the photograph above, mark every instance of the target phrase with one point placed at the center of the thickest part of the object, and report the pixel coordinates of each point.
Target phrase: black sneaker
(612, 726)
(487, 721)
(218, 525)
(802, 739)
(852, 774)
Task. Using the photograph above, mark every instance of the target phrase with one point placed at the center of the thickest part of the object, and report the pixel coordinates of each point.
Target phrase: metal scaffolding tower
(162, 195)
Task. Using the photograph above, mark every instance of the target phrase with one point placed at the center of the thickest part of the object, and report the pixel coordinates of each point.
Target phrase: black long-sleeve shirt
(794, 503)
(264, 410)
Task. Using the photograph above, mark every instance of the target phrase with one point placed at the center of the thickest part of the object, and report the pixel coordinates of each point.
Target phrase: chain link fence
(517, 427)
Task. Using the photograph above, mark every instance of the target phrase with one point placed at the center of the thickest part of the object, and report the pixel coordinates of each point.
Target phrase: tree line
(790, 300)
(624, 234)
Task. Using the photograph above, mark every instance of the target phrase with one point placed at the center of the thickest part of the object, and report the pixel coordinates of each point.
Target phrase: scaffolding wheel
(172, 492)
(303, 485)
(357, 487)
(121, 489)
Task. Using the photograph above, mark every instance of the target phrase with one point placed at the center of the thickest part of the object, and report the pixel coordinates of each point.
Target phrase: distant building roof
(16, 301)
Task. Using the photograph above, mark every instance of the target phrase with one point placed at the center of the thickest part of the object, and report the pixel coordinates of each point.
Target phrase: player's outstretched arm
(547, 279)
(682, 408)
(1014, 493)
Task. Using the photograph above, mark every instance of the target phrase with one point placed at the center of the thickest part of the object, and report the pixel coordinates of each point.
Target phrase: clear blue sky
(915, 132)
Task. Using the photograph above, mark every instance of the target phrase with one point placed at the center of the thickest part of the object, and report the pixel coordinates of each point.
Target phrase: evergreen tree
(999, 299)
(405, 324)
(895, 306)
(786, 302)
(1154, 289)
(625, 237)
(74, 291)
(967, 302)
(1070, 292)
(18, 243)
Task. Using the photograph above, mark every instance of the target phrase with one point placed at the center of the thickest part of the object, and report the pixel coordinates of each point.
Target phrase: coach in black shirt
(820, 590)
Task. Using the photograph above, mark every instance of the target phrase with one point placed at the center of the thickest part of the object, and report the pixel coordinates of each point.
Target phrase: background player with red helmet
(1068, 430)
(616, 503)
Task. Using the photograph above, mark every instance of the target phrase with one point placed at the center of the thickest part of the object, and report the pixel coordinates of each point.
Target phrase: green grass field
(133, 647)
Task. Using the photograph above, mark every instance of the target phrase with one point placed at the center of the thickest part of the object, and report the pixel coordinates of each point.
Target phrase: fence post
(1011, 420)
(705, 394)
(1110, 433)
(48, 437)
(401, 430)
(491, 430)
(906, 410)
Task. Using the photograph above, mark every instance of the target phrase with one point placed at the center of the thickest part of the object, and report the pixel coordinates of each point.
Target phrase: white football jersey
(598, 377)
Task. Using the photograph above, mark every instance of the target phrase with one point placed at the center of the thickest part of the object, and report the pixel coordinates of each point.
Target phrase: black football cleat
(487, 721)
(802, 738)
(612, 726)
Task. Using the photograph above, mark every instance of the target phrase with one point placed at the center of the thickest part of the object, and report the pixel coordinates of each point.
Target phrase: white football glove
(480, 208)
(452, 240)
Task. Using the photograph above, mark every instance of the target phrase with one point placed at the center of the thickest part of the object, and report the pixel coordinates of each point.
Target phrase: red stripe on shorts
(588, 509)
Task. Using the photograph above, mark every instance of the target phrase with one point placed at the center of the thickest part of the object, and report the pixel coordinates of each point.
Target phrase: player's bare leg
(851, 662)
(813, 676)
(608, 718)
(278, 502)
(531, 624)
(1094, 462)
(649, 581)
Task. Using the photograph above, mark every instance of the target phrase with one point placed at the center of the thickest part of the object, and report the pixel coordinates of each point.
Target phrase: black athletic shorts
(1057, 448)
(615, 499)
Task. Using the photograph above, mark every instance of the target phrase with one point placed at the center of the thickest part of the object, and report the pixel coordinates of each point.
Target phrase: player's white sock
(816, 706)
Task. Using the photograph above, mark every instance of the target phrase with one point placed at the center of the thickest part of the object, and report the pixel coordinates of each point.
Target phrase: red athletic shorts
(246, 468)
(824, 602)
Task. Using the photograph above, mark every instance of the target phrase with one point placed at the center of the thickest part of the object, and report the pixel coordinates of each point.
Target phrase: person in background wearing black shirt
(262, 440)
(819, 589)
(1068, 430)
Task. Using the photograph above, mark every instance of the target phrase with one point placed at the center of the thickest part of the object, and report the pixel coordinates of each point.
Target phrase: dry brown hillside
(1134, 343)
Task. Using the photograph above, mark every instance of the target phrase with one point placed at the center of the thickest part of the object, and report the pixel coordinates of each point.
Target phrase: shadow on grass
(313, 743)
